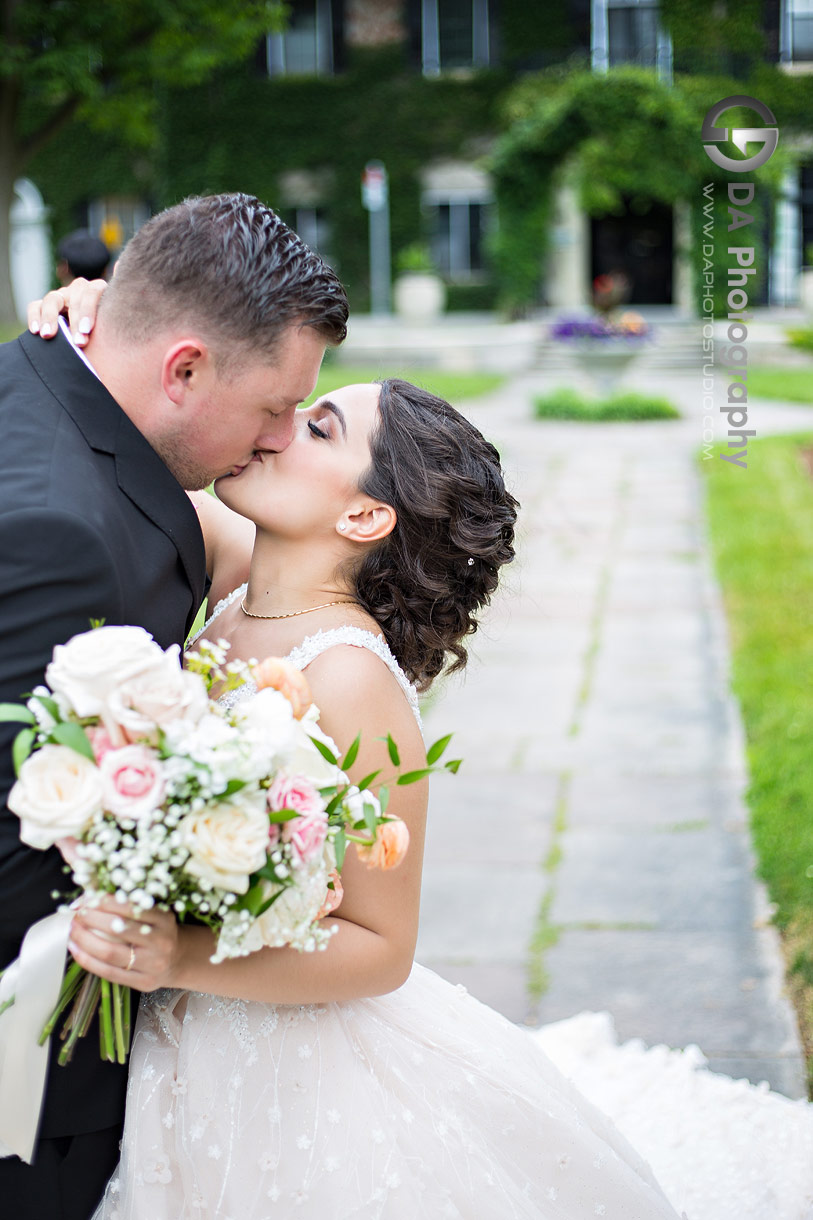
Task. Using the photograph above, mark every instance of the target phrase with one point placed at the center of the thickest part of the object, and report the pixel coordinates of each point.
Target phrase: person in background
(80, 253)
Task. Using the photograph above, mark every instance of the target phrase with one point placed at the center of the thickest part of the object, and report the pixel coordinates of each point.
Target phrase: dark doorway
(639, 242)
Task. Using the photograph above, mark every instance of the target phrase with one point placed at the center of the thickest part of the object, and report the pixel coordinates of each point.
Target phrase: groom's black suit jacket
(92, 526)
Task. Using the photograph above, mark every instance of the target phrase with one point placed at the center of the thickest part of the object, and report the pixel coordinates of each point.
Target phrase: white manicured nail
(85, 326)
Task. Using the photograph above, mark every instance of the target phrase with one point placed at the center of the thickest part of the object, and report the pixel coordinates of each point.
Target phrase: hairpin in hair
(470, 562)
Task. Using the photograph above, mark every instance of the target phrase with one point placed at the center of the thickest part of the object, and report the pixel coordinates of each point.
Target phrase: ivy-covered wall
(630, 133)
(242, 131)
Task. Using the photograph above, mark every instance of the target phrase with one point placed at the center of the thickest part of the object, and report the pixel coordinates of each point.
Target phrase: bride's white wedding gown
(426, 1105)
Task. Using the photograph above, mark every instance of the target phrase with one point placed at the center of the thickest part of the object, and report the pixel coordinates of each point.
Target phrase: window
(454, 34)
(313, 227)
(796, 31)
(303, 196)
(628, 32)
(632, 34)
(305, 48)
(458, 204)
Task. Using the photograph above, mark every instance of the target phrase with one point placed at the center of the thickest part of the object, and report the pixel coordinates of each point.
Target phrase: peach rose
(390, 847)
(333, 897)
(288, 680)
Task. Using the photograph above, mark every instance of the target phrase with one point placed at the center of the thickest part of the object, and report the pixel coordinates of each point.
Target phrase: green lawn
(761, 525)
(790, 385)
(452, 386)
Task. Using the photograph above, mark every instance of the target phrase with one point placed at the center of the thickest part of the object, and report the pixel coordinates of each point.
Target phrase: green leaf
(392, 749)
(383, 797)
(340, 844)
(324, 750)
(282, 815)
(252, 900)
(22, 748)
(454, 765)
(74, 736)
(434, 752)
(16, 713)
(412, 777)
(234, 785)
(51, 706)
(368, 779)
(351, 755)
(269, 902)
(370, 818)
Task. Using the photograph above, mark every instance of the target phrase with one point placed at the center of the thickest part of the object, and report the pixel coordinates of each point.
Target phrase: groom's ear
(187, 368)
(368, 520)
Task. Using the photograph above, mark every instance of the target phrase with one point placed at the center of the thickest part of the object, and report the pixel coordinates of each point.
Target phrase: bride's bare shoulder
(355, 690)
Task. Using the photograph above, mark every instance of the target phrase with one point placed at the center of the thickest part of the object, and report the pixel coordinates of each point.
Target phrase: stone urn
(604, 360)
(419, 296)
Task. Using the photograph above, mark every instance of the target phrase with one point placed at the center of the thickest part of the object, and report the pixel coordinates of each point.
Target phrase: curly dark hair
(425, 582)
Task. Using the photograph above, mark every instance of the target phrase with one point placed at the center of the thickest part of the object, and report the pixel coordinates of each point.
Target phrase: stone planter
(419, 296)
(604, 360)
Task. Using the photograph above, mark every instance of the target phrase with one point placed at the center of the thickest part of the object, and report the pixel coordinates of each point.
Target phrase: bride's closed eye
(317, 431)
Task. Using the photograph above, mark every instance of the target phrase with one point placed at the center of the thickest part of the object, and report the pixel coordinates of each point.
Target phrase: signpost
(376, 199)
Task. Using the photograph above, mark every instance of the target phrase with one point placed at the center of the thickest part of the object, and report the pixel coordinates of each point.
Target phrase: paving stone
(605, 659)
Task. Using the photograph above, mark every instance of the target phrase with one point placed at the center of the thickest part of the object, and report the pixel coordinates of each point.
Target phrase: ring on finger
(131, 962)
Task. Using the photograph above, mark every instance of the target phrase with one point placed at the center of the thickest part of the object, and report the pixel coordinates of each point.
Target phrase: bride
(354, 1083)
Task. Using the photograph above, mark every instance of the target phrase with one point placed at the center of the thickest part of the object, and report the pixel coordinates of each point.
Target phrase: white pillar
(567, 280)
(29, 246)
(786, 251)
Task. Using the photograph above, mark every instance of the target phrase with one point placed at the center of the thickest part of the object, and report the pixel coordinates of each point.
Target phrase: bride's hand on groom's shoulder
(137, 950)
(79, 301)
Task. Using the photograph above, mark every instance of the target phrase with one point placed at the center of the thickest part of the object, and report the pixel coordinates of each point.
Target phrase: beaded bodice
(314, 645)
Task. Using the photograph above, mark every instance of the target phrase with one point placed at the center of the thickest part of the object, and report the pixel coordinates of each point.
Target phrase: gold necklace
(294, 613)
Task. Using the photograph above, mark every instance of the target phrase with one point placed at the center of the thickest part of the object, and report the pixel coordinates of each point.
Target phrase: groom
(210, 334)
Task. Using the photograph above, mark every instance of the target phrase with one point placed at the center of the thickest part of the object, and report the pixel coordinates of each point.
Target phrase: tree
(105, 63)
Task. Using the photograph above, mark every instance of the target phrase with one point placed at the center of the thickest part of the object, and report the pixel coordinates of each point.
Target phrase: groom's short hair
(227, 265)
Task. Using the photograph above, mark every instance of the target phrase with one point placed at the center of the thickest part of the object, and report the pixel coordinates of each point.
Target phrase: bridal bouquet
(238, 817)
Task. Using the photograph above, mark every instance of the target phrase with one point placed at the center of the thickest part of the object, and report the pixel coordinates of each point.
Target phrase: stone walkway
(593, 852)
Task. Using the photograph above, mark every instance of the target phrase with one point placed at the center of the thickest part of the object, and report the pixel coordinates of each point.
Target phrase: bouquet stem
(81, 1016)
(70, 985)
(121, 1019)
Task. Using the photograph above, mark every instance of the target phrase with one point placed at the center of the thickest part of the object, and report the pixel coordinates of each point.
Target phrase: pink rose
(307, 835)
(294, 792)
(132, 783)
(101, 741)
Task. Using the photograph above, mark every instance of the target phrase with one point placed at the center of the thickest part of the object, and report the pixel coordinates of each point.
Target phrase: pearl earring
(342, 525)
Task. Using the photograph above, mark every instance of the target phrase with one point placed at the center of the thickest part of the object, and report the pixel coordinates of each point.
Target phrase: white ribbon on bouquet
(34, 981)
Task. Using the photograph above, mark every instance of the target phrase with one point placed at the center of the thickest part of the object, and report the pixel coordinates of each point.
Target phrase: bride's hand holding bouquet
(167, 806)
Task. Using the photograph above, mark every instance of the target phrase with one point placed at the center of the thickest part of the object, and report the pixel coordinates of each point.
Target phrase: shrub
(566, 403)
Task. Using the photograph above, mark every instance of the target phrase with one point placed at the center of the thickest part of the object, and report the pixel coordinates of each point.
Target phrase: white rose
(269, 718)
(91, 665)
(56, 796)
(156, 697)
(305, 759)
(227, 843)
